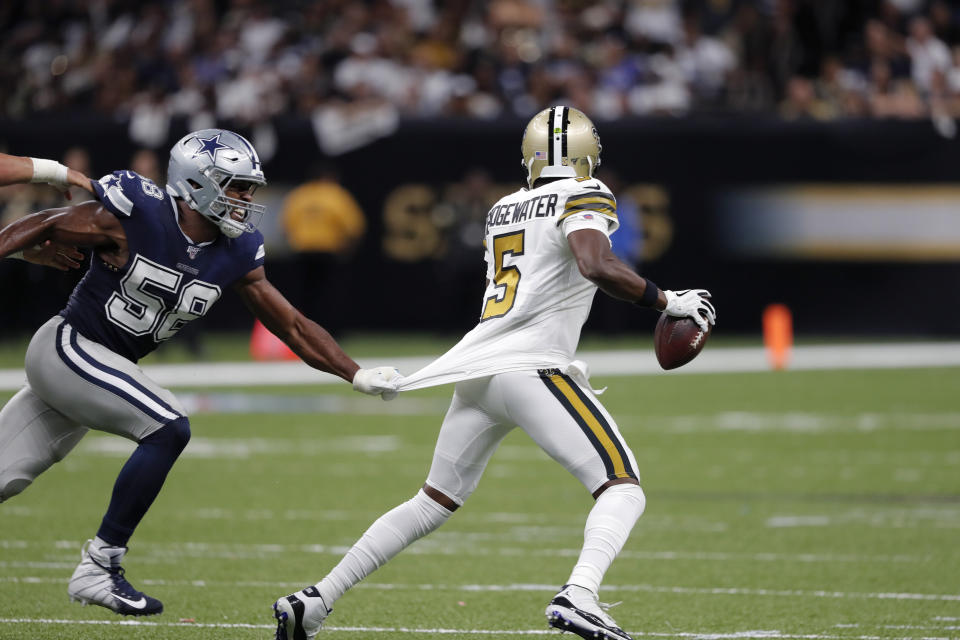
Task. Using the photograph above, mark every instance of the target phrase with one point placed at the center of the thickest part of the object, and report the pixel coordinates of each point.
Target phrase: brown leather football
(677, 341)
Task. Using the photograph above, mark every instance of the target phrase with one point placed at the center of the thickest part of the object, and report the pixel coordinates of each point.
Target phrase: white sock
(608, 526)
(389, 535)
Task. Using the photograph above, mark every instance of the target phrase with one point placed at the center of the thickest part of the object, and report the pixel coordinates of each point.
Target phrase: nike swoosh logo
(136, 604)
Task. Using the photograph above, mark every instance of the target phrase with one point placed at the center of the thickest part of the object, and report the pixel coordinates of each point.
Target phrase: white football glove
(379, 381)
(692, 303)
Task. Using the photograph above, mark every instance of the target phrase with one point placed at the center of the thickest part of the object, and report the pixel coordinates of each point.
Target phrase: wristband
(650, 295)
(48, 171)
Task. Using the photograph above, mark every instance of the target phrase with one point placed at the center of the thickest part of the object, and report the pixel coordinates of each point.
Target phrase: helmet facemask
(234, 216)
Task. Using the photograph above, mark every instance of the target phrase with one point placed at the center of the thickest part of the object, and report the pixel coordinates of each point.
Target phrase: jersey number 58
(140, 312)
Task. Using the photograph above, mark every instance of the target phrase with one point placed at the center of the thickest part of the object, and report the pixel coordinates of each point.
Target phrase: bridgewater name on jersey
(536, 299)
(167, 281)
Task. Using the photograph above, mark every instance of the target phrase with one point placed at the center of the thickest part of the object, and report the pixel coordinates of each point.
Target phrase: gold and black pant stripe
(592, 421)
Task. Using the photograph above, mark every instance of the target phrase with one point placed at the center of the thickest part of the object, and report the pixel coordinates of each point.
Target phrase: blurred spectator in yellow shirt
(324, 224)
(320, 216)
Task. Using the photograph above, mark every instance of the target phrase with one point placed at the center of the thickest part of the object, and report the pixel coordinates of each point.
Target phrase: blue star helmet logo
(210, 146)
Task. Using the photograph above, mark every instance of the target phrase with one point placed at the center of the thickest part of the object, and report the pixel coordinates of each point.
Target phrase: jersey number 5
(139, 310)
(506, 278)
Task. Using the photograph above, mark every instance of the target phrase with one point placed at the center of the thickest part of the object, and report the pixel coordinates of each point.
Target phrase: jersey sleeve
(587, 221)
(589, 204)
(122, 191)
(249, 251)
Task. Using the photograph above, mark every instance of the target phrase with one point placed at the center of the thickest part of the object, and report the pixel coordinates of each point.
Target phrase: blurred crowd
(355, 67)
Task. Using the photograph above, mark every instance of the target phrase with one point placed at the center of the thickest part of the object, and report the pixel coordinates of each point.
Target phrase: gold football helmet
(560, 142)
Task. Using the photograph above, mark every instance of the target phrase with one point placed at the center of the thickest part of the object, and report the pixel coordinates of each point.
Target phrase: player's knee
(19, 476)
(174, 435)
(179, 432)
(10, 487)
(630, 495)
(441, 498)
(635, 494)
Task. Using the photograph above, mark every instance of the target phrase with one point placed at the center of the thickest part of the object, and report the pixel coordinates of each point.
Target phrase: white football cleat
(300, 615)
(577, 610)
(98, 579)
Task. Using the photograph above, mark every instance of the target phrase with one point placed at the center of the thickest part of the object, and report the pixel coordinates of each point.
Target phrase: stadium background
(796, 151)
(778, 151)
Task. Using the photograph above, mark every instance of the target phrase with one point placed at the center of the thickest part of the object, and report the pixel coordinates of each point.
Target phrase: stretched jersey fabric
(536, 300)
(168, 280)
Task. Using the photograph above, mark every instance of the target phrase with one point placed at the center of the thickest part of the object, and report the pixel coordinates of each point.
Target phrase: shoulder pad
(122, 191)
(588, 194)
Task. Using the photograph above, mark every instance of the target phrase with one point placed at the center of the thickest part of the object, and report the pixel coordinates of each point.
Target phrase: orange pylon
(778, 334)
(266, 346)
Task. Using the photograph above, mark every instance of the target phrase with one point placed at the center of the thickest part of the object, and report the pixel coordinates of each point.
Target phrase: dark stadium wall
(732, 205)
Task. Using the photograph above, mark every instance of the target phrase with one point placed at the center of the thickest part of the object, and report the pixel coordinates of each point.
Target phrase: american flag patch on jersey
(540, 155)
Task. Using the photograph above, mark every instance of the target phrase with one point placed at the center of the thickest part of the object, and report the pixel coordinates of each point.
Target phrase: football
(677, 341)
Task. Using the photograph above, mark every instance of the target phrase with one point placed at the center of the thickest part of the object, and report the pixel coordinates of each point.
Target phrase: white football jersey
(536, 300)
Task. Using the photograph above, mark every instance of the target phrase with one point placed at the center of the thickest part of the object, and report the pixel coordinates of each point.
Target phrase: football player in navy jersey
(161, 258)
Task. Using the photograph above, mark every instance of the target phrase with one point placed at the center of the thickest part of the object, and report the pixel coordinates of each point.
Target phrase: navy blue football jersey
(168, 280)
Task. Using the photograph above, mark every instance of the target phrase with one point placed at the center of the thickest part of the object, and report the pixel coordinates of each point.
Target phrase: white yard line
(736, 635)
(798, 593)
(545, 588)
(137, 623)
(608, 363)
(150, 552)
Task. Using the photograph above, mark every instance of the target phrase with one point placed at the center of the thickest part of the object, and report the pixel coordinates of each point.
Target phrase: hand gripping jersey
(168, 280)
(536, 299)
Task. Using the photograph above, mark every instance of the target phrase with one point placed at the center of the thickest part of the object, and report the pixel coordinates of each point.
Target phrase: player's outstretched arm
(20, 169)
(15, 169)
(83, 225)
(311, 342)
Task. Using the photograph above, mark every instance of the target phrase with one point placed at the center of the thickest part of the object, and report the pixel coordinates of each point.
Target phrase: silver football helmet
(560, 142)
(203, 164)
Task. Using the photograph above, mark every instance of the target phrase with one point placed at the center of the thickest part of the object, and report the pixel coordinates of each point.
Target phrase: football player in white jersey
(547, 252)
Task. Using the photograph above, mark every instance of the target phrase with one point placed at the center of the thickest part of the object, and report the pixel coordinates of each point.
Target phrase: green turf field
(815, 505)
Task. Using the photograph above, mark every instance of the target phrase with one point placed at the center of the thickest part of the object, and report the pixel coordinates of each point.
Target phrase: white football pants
(563, 417)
